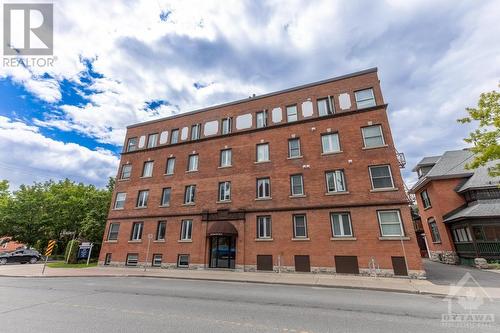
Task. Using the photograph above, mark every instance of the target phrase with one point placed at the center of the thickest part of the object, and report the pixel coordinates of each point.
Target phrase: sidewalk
(300, 279)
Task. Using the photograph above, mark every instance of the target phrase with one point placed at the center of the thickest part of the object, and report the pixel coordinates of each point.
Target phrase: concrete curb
(405, 291)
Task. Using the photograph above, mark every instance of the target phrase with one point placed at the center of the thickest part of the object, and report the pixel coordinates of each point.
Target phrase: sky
(122, 62)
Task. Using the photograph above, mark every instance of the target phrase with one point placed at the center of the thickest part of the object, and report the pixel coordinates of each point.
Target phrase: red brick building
(304, 179)
(459, 208)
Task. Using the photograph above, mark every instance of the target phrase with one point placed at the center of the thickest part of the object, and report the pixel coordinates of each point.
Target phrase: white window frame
(292, 189)
(167, 171)
(132, 144)
(136, 234)
(264, 227)
(111, 231)
(330, 143)
(163, 191)
(163, 222)
(290, 148)
(123, 172)
(189, 194)
(381, 135)
(380, 222)
(434, 239)
(147, 169)
(390, 174)
(224, 191)
(341, 216)
(336, 174)
(361, 101)
(174, 136)
(133, 262)
(156, 262)
(226, 156)
(179, 260)
(195, 132)
(226, 129)
(295, 226)
(426, 202)
(193, 160)
(186, 230)
(142, 201)
(263, 181)
(261, 119)
(266, 153)
(152, 140)
(117, 197)
(329, 106)
(290, 116)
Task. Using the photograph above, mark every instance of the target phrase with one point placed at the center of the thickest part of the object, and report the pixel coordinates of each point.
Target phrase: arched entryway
(222, 245)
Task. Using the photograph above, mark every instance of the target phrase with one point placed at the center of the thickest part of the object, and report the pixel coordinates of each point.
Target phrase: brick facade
(359, 199)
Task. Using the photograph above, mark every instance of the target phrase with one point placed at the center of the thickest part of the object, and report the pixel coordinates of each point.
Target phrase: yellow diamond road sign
(50, 247)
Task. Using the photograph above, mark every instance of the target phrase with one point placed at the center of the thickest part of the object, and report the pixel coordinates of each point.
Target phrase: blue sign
(83, 252)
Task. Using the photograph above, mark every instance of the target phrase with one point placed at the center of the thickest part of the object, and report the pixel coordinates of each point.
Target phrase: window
(436, 238)
(426, 202)
(147, 170)
(114, 228)
(263, 227)
(330, 143)
(335, 181)
(152, 140)
(372, 136)
(263, 152)
(165, 196)
(142, 198)
(294, 148)
(263, 188)
(107, 259)
(297, 185)
(161, 230)
(325, 107)
(364, 98)
(156, 260)
(225, 191)
(226, 125)
(186, 229)
(291, 113)
(225, 158)
(126, 171)
(132, 144)
(462, 235)
(120, 200)
(136, 234)
(174, 136)
(189, 194)
(193, 162)
(183, 260)
(261, 119)
(132, 259)
(390, 223)
(195, 132)
(381, 177)
(341, 224)
(299, 226)
(170, 166)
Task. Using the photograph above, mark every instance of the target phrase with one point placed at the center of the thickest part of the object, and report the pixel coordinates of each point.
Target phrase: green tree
(486, 138)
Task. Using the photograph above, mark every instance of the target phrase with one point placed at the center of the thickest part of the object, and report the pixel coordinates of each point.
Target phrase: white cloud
(25, 154)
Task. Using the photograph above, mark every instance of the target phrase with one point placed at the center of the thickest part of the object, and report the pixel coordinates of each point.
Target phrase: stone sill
(135, 241)
(123, 180)
(145, 207)
(387, 189)
(111, 241)
(332, 153)
(191, 171)
(337, 193)
(264, 239)
(393, 238)
(377, 147)
(159, 241)
(295, 157)
(301, 239)
(168, 174)
(263, 199)
(225, 167)
(223, 202)
(118, 209)
(185, 241)
(339, 238)
(189, 204)
(164, 206)
(262, 162)
(145, 177)
(297, 196)
(427, 208)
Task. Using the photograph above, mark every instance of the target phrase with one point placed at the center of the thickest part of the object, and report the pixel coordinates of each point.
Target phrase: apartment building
(303, 179)
(459, 208)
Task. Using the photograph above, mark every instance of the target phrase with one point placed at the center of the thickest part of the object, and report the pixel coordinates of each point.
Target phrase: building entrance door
(222, 251)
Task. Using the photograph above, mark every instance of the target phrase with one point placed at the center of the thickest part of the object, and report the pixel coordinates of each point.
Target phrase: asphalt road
(168, 305)
(443, 274)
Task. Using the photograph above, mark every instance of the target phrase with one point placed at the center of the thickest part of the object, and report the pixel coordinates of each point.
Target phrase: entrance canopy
(221, 228)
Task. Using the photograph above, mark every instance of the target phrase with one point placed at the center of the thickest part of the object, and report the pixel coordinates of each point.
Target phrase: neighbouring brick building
(459, 208)
(304, 179)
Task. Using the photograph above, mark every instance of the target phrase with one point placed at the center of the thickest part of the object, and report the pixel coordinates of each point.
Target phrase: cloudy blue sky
(121, 62)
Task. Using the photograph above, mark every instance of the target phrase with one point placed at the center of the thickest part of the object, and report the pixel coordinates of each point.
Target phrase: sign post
(150, 236)
(90, 252)
(65, 233)
(48, 252)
